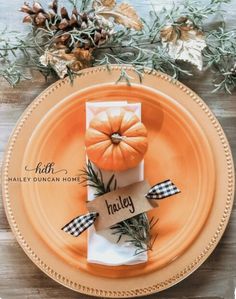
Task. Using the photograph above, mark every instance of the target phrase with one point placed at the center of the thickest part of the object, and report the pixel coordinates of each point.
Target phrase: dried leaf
(59, 60)
(82, 54)
(123, 14)
(104, 3)
(108, 3)
(184, 41)
(53, 59)
(187, 49)
(170, 33)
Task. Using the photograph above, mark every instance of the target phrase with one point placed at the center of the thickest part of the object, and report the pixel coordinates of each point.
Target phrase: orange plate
(186, 144)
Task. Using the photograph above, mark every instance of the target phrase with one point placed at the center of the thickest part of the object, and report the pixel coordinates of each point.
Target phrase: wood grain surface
(21, 279)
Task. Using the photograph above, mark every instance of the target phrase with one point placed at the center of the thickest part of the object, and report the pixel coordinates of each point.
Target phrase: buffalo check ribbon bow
(79, 224)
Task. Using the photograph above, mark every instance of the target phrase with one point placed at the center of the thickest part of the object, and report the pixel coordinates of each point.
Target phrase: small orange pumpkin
(116, 140)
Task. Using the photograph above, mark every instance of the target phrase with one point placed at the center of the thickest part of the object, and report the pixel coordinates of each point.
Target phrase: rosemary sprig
(92, 178)
(137, 228)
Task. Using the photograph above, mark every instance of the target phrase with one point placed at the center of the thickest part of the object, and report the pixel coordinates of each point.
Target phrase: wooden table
(20, 278)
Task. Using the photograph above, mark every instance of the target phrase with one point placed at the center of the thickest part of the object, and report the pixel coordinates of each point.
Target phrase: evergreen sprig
(141, 49)
(19, 54)
(92, 178)
(220, 56)
(138, 230)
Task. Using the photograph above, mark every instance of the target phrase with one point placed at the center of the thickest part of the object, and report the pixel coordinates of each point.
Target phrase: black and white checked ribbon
(79, 224)
(162, 190)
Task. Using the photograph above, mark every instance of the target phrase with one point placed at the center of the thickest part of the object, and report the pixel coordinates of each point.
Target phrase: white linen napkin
(102, 245)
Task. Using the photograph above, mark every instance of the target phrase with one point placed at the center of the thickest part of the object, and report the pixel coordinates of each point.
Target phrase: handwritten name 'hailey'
(121, 203)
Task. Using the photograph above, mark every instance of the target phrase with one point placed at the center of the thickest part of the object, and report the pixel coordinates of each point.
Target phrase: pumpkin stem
(116, 138)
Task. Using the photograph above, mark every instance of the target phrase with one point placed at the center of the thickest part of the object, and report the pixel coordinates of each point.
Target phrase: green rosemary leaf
(108, 189)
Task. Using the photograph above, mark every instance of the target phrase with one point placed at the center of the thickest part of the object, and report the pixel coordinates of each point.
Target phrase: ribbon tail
(79, 224)
(162, 190)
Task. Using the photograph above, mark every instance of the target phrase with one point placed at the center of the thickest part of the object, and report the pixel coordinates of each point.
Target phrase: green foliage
(92, 178)
(20, 54)
(220, 56)
(141, 49)
(138, 231)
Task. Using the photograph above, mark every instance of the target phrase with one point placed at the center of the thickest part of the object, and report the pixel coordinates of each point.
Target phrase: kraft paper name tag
(119, 205)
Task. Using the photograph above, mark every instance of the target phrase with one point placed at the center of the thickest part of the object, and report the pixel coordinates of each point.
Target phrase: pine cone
(38, 16)
(35, 14)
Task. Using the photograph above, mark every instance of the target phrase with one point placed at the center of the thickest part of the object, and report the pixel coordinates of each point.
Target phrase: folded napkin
(102, 245)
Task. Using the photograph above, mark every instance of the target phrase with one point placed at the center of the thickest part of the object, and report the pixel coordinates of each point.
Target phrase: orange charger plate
(186, 145)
